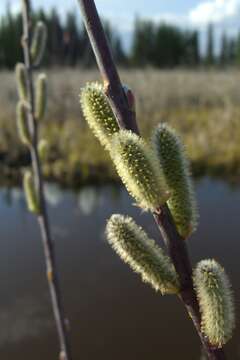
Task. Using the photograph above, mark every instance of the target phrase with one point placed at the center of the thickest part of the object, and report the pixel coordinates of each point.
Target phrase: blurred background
(181, 59)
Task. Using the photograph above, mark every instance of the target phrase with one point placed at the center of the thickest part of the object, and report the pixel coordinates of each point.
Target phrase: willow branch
(126, 118)
(48, 246)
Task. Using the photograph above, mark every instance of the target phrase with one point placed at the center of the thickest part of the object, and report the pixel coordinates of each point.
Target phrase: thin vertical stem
(176, 245)
(48, 245)
(105, 62)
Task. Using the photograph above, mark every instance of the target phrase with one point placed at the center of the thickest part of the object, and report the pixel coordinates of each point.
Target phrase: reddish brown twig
(126, 119)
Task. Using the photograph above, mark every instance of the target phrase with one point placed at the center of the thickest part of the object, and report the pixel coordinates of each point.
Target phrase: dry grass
(203, 106)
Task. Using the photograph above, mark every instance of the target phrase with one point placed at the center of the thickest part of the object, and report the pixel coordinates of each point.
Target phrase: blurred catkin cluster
(31, 109)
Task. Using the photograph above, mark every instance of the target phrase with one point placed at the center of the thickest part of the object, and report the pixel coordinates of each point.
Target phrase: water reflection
(92, 197)
(53, 194)
(112, 314)
(12, 197)
(24, 318)
(88, 199)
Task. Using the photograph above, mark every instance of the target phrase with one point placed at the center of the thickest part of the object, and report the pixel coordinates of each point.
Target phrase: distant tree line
(159, 45)
(166, 45)
(163, 45)
(67, 43)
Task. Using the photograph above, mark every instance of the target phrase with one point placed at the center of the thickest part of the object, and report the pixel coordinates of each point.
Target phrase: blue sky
(225, 14)
(186, 12)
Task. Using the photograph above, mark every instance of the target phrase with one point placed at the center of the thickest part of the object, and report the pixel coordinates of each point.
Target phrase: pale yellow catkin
(22, 123)
(142, 254)
(38, 43)
(21, 79)
(41, 96)
(31, 195)
(216, 302)
(98, 113)
(43, 148)
(172, 159)
(138, 167)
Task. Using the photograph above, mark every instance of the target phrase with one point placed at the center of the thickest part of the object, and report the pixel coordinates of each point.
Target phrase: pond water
(113, 315)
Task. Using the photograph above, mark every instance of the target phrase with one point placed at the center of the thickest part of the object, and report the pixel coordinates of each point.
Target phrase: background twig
(126, 119)
(52, 276)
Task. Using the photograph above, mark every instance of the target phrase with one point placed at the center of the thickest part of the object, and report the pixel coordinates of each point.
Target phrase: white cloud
(214, 11)
(121, 21)
(170, 18)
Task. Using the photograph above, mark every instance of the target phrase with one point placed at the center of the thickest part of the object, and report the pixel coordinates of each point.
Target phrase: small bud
(41, 96)
(50, 275)
(134, 247)
(22, 123)
(139, 170)
(21, 78)
(43, 147)
(171, 155)
(38, 43)
(130, 97)
(98, 113)
(216, 302)
(31, 193)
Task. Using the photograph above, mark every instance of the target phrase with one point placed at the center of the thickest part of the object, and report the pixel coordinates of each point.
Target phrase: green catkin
(41, 96)
(139, 170)
(43, 148)
(21, 78)
(216, 302)
(22, 123)
(171, 155)
(98, 113)
(143, 255)
(38, 43)
(32, 198)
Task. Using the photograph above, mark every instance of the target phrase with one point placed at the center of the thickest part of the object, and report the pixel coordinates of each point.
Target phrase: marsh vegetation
(203, 106)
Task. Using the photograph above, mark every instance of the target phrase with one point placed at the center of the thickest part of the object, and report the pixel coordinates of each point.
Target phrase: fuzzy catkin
(22, 123)
(171, 155)
(41, 96)
(43, 148)
(21, 79)
(31, 195)
(143, 255)
(139, 170)
(215, 298)
(98, 113)
(38, 43)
